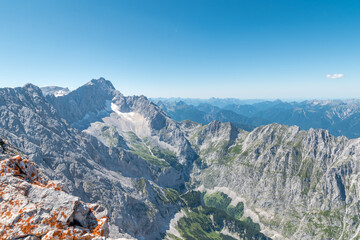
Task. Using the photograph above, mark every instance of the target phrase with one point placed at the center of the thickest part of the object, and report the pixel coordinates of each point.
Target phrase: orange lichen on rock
(21, 168)
(56, 185)
(31, 205)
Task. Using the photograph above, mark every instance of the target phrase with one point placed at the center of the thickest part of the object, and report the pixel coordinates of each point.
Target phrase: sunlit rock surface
(33, 207)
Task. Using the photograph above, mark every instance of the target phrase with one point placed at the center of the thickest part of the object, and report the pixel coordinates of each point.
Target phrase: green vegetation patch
(133, 138)
(140, 148)
(192, 199)
(290, 228)
(151, 159)
(140, 184)
(198, 225)
(170, 236)
(221, 201)
(110, 136)
(326, 223)
(167, 155)
(236, 211)
(237, 149)
(172, 195)
(208, 214)
(217, 200)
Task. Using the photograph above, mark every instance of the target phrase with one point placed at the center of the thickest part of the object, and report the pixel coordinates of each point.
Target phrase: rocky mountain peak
(86, 104)
(216, 126)
(31, 88)
(101, 82)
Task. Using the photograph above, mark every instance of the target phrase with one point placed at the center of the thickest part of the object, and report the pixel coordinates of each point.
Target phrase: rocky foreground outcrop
(33, 207)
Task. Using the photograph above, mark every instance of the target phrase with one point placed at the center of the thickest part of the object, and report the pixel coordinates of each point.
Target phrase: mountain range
(340, 117)
(157, 177)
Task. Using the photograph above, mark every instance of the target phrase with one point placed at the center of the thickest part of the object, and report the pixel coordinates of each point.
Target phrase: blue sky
(243, 49)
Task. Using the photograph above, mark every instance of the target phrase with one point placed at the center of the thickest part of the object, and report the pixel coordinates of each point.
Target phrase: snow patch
(61, 93)
(130, 121)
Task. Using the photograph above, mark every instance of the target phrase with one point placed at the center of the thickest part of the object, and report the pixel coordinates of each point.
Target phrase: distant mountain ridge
(218, 102)
(205, 113)
(340, 117)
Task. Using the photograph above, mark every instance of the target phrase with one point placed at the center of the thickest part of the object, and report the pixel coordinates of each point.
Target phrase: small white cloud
(335, 75)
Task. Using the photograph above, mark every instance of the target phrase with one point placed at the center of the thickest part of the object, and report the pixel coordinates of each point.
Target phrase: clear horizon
(189, 49)
(212, 97)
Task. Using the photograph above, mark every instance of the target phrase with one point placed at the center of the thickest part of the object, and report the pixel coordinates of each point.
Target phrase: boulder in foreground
(33, 207)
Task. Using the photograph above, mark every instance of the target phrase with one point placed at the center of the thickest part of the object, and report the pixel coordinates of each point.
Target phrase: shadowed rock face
(6, 150)
(33, 206)
(86, 104)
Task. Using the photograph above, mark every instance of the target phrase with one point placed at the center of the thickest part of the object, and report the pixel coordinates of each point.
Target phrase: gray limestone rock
(125, 152)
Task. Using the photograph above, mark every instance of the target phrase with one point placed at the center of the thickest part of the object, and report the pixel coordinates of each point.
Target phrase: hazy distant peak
(55, 91)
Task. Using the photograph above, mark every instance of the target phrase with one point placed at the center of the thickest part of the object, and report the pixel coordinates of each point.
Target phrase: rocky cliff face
(118, 179)
(297, 184)
(99, 102)
(132, 123)
(33, 207)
